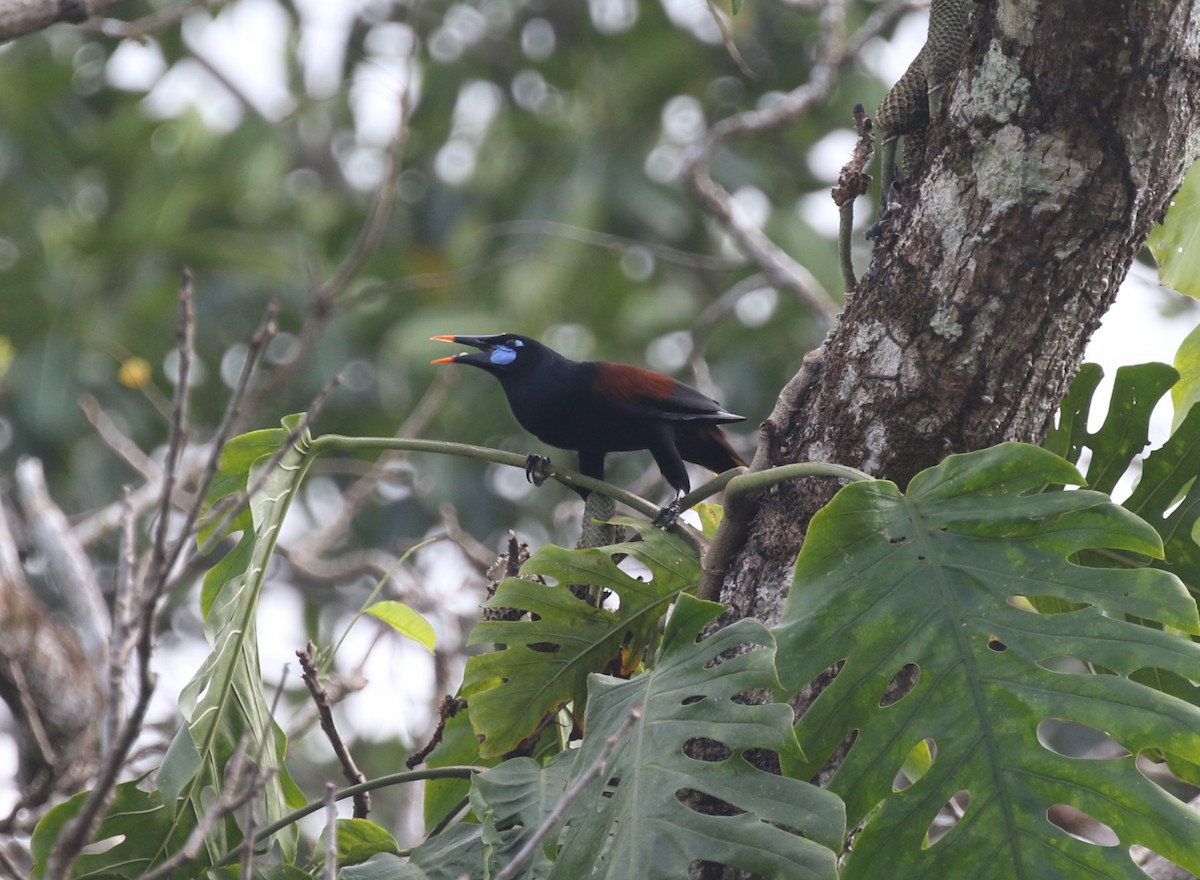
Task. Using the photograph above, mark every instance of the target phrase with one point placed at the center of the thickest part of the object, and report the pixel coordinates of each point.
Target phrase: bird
(597, 407)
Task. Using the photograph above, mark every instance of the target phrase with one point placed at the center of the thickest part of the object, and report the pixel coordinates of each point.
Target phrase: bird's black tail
(704, 443)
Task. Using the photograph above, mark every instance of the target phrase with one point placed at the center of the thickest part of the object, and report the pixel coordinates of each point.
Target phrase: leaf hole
(835, 759)
(916, 764)
(1081, 826)
(897, 539)
(1021, 603)
(947, 817)
(994, 644)
(706, 804)
(1073, 740)
(701, 748)
(687, 701)
(545, 647)
(902, 684)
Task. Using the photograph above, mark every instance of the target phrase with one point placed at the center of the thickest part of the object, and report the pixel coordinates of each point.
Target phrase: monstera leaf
(543, 662)
(632, 820)
(942, 578)
(1167, 494)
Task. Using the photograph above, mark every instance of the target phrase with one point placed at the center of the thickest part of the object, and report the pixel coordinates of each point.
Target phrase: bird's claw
(537, 468)
(667, 516)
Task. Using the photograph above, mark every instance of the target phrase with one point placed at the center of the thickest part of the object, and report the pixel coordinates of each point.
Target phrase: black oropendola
(597, 407)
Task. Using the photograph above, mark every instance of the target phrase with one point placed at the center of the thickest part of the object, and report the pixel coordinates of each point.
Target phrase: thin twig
(185, 341)
(571, 795)
(835, 51)
(229, 507)
(361, 490)
(116, 440)
(325, 296)
(153, 577)
(8, 866)
(140, 28)
(362, 801)
(611, 242)
(254, 351)
(243, 783)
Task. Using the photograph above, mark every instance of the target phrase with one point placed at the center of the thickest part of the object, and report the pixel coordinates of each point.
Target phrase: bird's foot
(667, 516)
(537, 468)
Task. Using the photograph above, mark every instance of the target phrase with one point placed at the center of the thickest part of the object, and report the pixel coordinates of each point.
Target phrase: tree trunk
(1060, 139)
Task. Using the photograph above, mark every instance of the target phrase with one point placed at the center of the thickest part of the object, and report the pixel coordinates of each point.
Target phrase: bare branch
(834, 52)
(258, 344)
(185, 337)
(362, 801)
(124, 448)
(26, 16)
(243, 783)
(140, 28)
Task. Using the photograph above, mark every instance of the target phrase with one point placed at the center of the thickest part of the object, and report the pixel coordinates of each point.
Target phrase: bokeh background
(388, 172)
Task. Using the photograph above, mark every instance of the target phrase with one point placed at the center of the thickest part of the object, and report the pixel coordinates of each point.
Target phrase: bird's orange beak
(445, 360)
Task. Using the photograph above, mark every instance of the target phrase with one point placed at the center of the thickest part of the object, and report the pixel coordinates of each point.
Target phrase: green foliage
(631, 820)
(513, 801)
(137, 823)
(405, 621)
(1175, 243)
(543, 663)
(224, 702)
(1166, 495)
(941, 578)
(948, 579)
(359, 840)
(1125, 432)
(1186, 392)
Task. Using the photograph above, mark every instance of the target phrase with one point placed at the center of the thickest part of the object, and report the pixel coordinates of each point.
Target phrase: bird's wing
(658, 395)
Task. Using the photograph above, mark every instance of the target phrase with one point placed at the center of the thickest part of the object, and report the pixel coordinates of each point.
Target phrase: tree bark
(1060, 140)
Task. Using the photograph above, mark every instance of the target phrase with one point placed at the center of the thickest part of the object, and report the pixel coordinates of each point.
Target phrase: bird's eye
(502, 355)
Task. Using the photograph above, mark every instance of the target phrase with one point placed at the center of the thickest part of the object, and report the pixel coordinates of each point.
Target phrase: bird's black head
(502, 354)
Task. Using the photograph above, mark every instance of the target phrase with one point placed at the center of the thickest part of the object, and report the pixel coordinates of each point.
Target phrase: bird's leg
(537, 468)
(669, 513)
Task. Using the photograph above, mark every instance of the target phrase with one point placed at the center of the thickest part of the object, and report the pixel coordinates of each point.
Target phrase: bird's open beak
(473, 341)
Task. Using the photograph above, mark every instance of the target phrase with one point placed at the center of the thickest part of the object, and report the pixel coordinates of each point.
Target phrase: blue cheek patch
(502, 356)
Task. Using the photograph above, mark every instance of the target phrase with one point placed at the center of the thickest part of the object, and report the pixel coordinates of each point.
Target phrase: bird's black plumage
(597, 407)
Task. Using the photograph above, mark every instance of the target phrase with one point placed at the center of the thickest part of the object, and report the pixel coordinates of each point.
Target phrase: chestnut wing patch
(656, 394)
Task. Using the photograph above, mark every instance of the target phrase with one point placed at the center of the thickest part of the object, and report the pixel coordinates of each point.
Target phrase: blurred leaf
(452, 855)
(137, 823)
(632, 819)
(885, 580)
(513, 801)
(359, 840)
(224, 701)
(544, 662)
(384, 866)
(1126, 429)
(1175, 243)
(1186, 392)
(405, 621)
